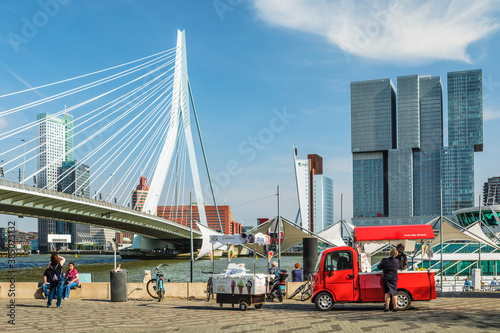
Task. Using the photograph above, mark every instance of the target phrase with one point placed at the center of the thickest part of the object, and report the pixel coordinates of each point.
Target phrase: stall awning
(391, 233)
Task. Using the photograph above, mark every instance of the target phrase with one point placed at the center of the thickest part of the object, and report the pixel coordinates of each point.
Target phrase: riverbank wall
(102, 290)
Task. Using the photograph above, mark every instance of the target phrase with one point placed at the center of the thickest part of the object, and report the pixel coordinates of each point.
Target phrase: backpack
(55, 273)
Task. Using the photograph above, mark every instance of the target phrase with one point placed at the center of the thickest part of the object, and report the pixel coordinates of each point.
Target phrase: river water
(31, 268)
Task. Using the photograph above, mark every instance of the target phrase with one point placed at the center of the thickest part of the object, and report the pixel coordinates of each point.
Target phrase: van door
(339, 275)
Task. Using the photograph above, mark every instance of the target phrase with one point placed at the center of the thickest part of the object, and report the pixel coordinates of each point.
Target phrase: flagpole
(441, 233)
(279, 230)
(191, 231)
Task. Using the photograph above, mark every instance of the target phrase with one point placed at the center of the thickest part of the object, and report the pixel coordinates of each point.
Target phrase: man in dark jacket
(390, 266)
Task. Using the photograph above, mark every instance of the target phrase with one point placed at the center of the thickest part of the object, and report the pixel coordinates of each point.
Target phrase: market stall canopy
(454, 232)
(334, 232)
(206, 246)
(393, 233)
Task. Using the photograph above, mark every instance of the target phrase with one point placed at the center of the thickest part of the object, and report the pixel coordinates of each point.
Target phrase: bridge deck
(23, 200)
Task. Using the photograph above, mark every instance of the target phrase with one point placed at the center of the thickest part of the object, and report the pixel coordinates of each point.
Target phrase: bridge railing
(103, 204)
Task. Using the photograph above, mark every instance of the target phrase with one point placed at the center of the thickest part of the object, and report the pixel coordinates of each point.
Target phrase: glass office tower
(396, 182)
(465, 136)
(373, 134)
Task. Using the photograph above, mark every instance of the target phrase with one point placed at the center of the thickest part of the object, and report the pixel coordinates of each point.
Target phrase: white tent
(454, 232)
(333, 233)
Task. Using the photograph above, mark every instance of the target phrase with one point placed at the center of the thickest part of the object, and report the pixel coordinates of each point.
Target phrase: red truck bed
(416, 283)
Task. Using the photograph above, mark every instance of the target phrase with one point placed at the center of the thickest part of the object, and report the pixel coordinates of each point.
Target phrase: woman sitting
(71, 278)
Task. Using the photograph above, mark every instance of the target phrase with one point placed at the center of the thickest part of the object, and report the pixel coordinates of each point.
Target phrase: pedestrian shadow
(20, 305)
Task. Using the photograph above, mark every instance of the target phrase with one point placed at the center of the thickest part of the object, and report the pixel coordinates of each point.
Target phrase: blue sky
(251, 60)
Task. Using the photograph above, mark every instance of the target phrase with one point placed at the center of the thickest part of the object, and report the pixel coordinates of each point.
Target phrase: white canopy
(334, 232)
(206, 246)
(455, 232)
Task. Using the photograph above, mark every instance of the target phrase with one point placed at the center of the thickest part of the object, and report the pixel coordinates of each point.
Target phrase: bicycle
(155, 285)
(305, 289)
(210, 286)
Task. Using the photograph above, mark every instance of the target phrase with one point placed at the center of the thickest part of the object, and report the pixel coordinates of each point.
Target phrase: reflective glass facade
(465, 136)
(373, 134)
(373, 116)
(427, 160)
(369, 186)
(457, 168)
(465, 108)
(401, 182)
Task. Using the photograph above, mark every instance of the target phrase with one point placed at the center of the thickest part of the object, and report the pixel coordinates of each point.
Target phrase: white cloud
(490, 114)
(403, 31)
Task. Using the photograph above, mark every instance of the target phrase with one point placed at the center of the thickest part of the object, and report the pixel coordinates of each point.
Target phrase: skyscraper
(51, 142)
(140, 194)
(396, 152)
(465, 136)
(491, 191)
(74, 178)
(373, 134)
(315, 193)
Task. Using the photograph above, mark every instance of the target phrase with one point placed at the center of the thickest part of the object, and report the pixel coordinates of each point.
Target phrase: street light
(2, 175)
(24, 158)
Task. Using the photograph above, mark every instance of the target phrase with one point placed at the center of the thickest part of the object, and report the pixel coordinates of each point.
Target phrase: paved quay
(475, 313)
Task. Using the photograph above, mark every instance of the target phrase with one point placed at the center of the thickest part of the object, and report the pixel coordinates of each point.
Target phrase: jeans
(68, 287)
(46, 289)
(56, 289)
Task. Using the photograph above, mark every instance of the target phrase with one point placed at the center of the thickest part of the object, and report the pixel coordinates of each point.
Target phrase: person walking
(297, 275)
(56, 279)
(390, 266)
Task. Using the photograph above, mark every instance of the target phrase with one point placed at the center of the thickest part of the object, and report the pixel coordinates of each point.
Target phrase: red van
(339, 279)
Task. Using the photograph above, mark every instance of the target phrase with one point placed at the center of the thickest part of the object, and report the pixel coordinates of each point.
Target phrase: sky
(256, 63)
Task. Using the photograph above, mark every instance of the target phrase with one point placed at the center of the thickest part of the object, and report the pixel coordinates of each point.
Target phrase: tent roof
(393, 233)
(334, 232)
(455, 232)
(293, 234)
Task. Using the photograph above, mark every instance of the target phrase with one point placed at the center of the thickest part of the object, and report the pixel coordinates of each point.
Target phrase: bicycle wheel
(161, 291)
(210, 290)
(151, 288)
(306, 294)
(298, 290)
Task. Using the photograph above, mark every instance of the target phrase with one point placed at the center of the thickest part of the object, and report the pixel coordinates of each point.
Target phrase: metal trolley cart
(237, 286)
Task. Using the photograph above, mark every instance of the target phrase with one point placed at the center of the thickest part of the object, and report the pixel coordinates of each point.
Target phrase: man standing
(494, 282)
(403, 260)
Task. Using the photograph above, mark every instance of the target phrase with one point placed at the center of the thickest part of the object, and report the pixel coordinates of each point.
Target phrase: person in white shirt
(494, 282)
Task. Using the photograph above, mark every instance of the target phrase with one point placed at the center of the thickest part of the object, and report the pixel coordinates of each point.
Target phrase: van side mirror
(330, 274)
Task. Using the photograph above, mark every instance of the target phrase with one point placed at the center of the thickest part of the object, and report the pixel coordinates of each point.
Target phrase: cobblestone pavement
(445, 314)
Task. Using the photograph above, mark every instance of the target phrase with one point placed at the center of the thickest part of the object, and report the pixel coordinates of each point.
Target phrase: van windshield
(316, 270)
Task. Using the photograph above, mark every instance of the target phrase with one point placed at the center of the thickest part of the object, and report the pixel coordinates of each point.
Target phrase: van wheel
(324, 301)
(404, 300)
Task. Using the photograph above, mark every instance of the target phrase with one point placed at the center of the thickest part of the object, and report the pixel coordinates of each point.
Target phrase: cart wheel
(221, 304)
(324, 301)
(232, 305)
(404, 300)
(243, 306)
(258, 306)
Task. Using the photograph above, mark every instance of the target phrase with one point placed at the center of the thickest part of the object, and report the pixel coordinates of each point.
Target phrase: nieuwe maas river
(31, 268)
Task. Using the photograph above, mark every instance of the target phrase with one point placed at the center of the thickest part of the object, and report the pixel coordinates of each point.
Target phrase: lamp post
(2, 175)
(24, 158)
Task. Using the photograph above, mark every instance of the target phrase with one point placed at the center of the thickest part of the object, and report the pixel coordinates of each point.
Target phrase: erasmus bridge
(134, 122)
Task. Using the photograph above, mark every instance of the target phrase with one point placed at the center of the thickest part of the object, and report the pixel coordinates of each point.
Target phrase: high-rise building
(52, 151)
(396, 151)
(74, 178)
(465, 136)
(315, 193)
(373, 134)
(491, 191)
(182, 215)
(140, 194)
